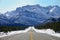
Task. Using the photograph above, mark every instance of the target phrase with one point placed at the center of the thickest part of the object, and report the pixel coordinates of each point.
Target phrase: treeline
(53, 25)
(12, 28)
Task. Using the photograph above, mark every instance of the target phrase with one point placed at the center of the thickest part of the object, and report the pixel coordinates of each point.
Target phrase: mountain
(30, 15)
(54, 11)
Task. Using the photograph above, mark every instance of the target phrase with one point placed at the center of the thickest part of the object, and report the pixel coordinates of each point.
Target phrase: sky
(9, 5)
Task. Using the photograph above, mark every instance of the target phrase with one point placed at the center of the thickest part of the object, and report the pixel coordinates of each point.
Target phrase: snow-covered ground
(2, 34)
(46, 31)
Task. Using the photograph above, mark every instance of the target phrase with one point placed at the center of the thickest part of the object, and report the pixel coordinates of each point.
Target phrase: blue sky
(8, 5)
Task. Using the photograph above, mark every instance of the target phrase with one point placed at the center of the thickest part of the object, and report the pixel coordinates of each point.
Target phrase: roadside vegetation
(53, 25)
(11, 28)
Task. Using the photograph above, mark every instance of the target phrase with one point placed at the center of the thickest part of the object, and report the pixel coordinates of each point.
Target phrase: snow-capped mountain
(30, 15)
(54, 11)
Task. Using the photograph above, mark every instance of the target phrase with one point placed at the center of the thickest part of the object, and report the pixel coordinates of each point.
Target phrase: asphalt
(30, 35)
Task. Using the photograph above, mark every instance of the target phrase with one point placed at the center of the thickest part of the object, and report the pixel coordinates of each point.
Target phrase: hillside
(29, 15)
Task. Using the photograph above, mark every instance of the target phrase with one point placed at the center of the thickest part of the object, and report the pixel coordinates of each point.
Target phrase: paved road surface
(30, 35)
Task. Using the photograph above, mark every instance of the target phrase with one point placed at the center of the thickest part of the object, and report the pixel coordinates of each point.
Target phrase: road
(30, 35)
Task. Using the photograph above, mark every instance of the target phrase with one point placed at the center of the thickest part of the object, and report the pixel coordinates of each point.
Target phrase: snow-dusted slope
(32, 14)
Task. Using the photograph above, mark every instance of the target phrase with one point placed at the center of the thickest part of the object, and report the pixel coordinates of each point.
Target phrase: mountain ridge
(30, 15)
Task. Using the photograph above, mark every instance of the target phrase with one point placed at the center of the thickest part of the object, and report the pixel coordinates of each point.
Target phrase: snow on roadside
(2, 34)
(47, 31)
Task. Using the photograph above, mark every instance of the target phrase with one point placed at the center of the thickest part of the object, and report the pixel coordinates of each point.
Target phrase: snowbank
(47, 31)
(2, 34)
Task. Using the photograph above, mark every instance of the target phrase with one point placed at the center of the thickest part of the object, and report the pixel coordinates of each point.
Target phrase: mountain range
(30, 15)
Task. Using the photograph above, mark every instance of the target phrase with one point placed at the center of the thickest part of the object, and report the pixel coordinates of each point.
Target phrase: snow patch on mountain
(51, 10)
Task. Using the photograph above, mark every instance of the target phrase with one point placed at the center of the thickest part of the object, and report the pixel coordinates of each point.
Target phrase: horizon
(9, 5)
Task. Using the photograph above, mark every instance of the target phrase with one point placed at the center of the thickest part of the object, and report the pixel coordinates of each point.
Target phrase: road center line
(31, 35)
